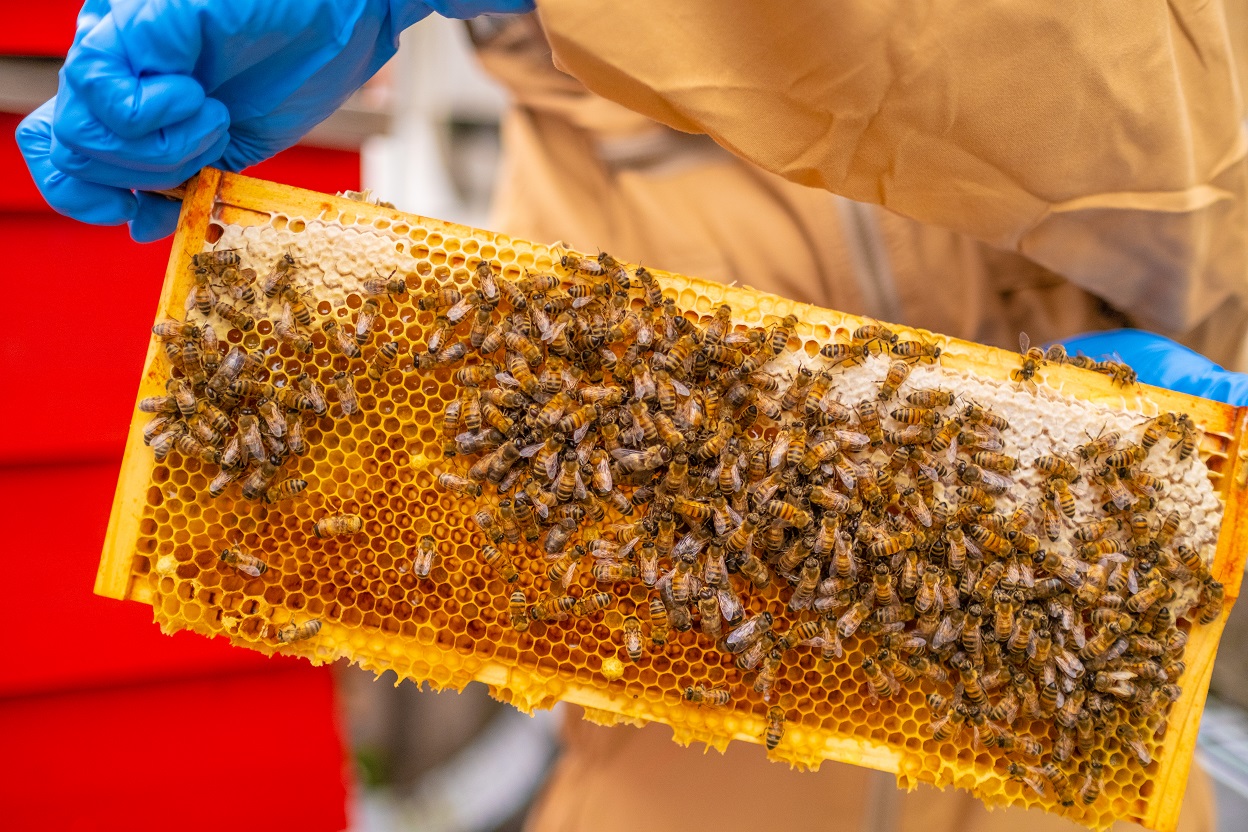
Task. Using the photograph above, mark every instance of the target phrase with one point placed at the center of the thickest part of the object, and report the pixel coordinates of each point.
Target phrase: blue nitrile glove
(154, 90)
(1163, 363)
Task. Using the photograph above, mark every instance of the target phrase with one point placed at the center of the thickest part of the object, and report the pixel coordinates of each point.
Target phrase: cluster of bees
(223, 407)
(617, 437)
(623, 441)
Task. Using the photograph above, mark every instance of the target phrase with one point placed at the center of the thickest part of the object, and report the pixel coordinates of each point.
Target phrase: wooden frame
(238, 199)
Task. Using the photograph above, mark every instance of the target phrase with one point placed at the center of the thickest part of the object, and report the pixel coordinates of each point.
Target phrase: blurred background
(95, 718)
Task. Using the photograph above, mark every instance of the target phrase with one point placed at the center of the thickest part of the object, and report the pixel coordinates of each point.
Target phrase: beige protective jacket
(977, 170)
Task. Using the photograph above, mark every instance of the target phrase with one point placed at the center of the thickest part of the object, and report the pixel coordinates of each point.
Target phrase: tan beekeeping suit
(1103, 142)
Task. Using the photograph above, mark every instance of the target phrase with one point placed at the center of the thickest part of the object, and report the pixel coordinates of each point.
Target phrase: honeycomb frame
(448, 655)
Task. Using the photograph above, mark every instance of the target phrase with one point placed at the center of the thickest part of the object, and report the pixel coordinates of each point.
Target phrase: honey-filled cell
(638, 454)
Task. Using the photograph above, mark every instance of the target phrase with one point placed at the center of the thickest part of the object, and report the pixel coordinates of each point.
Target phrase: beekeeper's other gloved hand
(1163, 363)
(153, 90)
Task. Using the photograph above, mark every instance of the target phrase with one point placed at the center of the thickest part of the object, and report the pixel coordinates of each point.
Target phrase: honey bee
(201, 296)
(244, 561)
(872, 333)
(339, 341)
(660, 625)
(898, 372)
(365, 320)
(1094, 779)
(552, 608)
(789, 513)
(222, 481)
(1126, 457)
(285, 490)
(1117, 370)
(632, 638)
(298, 632)
(946, 727)
(920, 351)
(1117, 492)
(1033, 360)
(995, 461)
(500, 562)
(517, 607)
(383, 360)
(606, 572)
(584, 265)
(1212, 600)
(976, 414)
(713, 697)
(749, 632)
(838, 354)
(1104, 443)
(182, 395)
(915, 416)
(276, 279)
(423, 555)
(338, 525)
(347, 398)
(391, 285)
(593, 603)
(882, 685)
(166, 405)
(233, 316)
(216, 260)
(775, 727)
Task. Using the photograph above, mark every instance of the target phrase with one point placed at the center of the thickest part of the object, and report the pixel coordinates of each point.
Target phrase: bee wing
(994, 480)
(951, 453)
(681, 389)
(689, 545)
(580, 432)
(779, 450)
(729, 604)
(529, 450)
(628, 547)
(552, 467)
(1024, 343)
(972, 548)
(946, 632)
(1069, 663)
(846, 475)
(506, 379)
(743, 636)
(553, 331)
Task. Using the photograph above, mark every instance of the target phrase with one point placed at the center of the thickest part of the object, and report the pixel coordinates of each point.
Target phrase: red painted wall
(106, 722)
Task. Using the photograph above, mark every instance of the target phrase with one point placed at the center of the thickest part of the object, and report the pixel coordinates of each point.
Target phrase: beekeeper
(978, 170)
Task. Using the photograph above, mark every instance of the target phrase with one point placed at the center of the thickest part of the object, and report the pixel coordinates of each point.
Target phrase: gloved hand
(153, 90)
(1163, 363)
